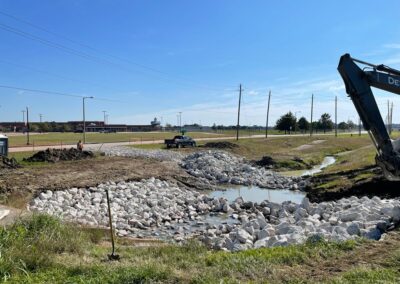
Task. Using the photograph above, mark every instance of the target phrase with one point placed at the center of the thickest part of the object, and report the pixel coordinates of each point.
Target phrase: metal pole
(104, 114)
(312, 106)
(84, 122)
(336, 126)
(27, 126)
(84, 119)
(391, 119)
(111, 256)
(238, 118)
(180, 121)
(266, 125)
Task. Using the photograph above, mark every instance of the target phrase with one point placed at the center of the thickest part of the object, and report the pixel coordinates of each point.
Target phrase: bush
(32, 242)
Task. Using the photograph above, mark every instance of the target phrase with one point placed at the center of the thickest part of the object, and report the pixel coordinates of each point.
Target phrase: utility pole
(266, 125)
(84, 119)
(238, 118)
(388, 116)
(180, 121)
(336, 126)
(27, 126)
(391, 118)
(23, 116)
(311, 120)
(104, 117)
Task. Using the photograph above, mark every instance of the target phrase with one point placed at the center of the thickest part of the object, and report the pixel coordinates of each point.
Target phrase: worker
(79, 145)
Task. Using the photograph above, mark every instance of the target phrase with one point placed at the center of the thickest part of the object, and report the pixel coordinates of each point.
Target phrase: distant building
(91, 126)
(155, 122)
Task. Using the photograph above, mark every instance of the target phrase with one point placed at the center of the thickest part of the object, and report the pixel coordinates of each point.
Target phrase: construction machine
(358, 84)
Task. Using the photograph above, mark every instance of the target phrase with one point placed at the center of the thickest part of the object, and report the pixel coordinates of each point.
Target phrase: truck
(180, 141)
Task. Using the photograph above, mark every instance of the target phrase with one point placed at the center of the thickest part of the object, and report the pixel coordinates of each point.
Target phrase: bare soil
(368, 181)
(17, 186)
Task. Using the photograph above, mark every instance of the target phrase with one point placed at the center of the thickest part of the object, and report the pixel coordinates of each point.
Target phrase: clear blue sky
(189, 56)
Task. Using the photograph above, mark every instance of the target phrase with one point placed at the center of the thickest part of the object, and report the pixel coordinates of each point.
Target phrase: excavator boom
(358, 84)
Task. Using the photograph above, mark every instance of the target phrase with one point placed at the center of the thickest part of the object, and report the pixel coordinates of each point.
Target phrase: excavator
(358, 83)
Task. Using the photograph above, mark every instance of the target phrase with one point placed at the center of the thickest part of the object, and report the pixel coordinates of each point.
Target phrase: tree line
(288, 123)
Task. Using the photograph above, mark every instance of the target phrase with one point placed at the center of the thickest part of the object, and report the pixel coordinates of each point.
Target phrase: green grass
(41, 249)
(19, 156)
(72, 138)
(37, 139)
(369, 276)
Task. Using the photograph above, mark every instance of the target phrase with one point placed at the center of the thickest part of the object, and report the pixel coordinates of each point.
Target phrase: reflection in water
(256, 194)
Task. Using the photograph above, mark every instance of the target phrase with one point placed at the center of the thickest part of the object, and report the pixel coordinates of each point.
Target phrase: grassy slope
(43, 250)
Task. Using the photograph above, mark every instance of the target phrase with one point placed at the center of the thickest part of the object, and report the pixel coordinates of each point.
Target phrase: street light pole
(84, 120)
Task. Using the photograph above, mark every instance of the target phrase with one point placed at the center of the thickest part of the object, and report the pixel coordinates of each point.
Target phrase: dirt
(19, 185)
(8, 163)
(221, 145)
(367, 181)
(266, 161)
(55, 155)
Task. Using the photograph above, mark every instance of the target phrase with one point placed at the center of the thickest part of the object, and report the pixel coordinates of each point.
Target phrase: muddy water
(328, 160)
(256, 194)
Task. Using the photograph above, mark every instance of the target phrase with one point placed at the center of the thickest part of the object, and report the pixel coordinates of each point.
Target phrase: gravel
(158, 208)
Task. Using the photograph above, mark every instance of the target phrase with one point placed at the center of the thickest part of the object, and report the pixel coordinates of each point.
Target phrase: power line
(83, 54)
(51, 73)
(54, 93)
(40, 91)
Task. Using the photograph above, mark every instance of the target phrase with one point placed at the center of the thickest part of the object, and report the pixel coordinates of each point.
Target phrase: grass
(72, 138)
(42, 249)
(284, 149)
(57, 138)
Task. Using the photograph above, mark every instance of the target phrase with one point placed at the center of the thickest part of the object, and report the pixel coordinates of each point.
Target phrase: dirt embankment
(367, 181)
(18, 185)
(55, 155)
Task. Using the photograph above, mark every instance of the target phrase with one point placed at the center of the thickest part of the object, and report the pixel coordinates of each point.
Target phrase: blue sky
(156, 58)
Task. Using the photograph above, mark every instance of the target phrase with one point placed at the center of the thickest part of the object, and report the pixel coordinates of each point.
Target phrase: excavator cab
(358, 84)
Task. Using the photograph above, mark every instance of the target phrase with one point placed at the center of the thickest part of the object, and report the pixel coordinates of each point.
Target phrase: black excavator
(358, 84)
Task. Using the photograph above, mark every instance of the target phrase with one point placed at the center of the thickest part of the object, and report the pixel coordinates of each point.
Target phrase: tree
(303, 124)
(66, 128)
(286, 122)
(343, 126)
(214, 127)
(351, 124)
(44, 127)
(325, 122)
(33, 127)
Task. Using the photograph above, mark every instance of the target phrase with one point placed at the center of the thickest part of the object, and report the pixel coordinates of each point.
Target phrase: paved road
(99, 146)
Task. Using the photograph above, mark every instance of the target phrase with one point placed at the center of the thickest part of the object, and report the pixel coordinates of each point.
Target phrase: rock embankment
(157, 208)
(218, 167)
(269, 224)
(162, 155)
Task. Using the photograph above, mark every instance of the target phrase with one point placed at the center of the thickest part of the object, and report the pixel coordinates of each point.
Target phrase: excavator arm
(358, 84)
